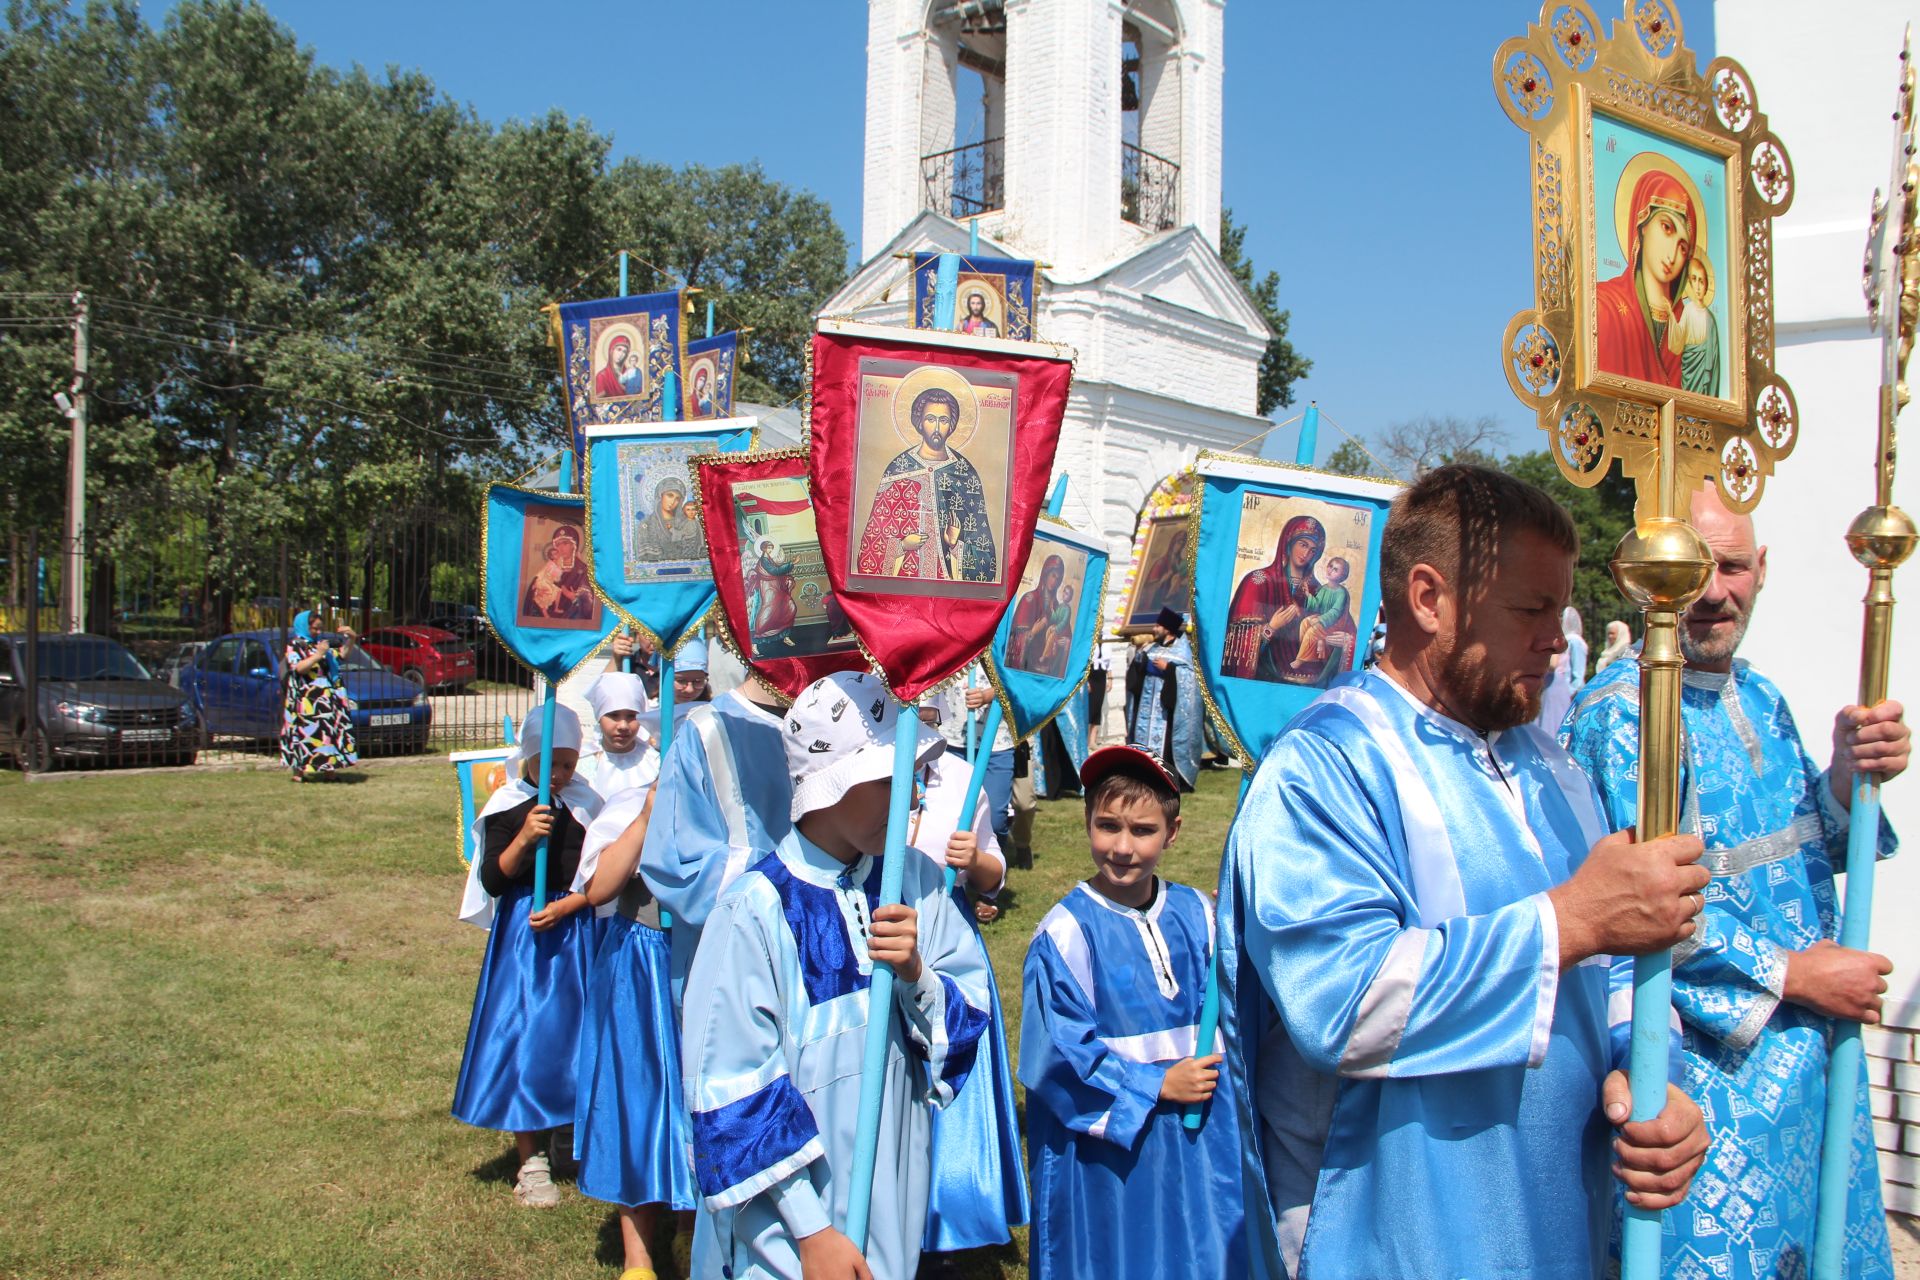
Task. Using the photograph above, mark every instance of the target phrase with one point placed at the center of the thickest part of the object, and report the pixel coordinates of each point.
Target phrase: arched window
(1150, 115)
(963, 108)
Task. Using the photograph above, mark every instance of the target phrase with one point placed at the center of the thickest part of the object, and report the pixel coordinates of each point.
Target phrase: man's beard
(1714, 652)
(1481, 699)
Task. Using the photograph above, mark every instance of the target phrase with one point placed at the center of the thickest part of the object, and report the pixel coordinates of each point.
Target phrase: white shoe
(534, 1189)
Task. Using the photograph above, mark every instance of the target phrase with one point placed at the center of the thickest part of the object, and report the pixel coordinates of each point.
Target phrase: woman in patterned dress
(316, 731)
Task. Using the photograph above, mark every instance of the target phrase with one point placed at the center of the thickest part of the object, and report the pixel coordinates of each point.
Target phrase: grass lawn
(231, 1012)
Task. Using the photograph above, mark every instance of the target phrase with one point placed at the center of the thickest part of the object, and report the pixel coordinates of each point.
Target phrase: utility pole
(77, 475)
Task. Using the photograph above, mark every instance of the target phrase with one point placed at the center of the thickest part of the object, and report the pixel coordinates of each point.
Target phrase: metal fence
(966, 181)
(179, 653)
(1149, 189)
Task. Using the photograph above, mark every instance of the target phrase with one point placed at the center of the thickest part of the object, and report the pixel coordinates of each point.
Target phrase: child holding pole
(517, 1074)
(1114, 981)
(776, 1014)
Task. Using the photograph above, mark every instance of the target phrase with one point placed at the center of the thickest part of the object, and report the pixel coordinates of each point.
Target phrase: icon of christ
(929, 519)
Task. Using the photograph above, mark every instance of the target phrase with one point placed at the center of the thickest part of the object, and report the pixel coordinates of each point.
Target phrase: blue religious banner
(538, 594)
(993, 297)
(1044, 645)
(644, 511)
(706, 376)
(1286, 586)
(619, 361)
(479, 773)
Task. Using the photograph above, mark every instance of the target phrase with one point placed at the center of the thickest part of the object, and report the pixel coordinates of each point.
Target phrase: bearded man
(1417, 904)
(1758, 986)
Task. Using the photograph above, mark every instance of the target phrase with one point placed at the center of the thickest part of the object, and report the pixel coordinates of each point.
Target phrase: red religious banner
(931, 455)
(777, 607)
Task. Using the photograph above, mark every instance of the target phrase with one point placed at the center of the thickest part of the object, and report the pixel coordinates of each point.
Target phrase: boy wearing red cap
(1115, 976)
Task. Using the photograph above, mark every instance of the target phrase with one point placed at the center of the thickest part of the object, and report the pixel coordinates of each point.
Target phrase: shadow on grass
(504, 1167)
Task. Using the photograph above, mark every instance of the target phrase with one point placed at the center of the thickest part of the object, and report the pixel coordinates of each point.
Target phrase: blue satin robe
(773, 1042)
(1121, 1191)
(1414, 1066)
(723, 794)
(1756, 1065)
(1147, 724)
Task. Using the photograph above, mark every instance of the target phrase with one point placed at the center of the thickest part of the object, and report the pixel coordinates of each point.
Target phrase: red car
(428, 656)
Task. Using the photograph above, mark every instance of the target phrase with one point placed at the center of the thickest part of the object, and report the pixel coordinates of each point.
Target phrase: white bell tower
(1084, 134)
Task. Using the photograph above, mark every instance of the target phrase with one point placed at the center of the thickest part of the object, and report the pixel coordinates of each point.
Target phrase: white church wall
(1827, 88)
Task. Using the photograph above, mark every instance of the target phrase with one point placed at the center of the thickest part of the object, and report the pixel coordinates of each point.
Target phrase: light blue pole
(990, 728)
(1843, 1064)
(623, 273)
(506, 729)
(1647, 1070)
(866, 1138)
(666, 739)
(973, 237)
(946, 285)
(566, 471)
(546, 790)
(709, 317)
(1209, 1029)
(1309, 442)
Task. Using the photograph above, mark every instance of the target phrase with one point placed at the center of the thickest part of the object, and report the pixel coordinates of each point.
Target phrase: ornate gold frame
(1550, 82)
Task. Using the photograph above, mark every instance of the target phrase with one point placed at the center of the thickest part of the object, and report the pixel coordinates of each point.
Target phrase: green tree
(1280, 366)
(1351, 458)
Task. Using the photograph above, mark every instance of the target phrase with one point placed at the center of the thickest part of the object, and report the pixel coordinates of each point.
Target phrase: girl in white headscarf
(626, 758)
(518, 1070)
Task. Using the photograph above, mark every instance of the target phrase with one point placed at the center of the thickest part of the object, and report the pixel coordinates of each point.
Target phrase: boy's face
(1128, 838)
(620, 730)
(564, 760)
(1336, 572)
(861, 815)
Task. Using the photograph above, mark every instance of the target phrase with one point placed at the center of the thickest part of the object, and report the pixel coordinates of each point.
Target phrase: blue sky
(1369, 159)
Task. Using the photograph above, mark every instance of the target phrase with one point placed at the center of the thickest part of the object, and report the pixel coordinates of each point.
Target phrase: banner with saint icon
(619, 357)
(1043, 648)
(930, 454)
(777, 610)
(643, 506)
(537, 592)
(706, 376)
(1286, 588)
(993, 297)
(1159, 573)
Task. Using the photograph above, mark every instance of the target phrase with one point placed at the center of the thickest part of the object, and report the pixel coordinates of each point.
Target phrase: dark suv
(96, 703)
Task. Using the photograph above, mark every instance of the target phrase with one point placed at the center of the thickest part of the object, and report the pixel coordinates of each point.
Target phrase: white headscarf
(613, 772)
(476, 906)
(1619, 640)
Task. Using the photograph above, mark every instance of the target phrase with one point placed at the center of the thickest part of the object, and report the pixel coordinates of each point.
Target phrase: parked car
(429, 656)
(235, 684)
(181, 657)
(96, 703)
(491, 660)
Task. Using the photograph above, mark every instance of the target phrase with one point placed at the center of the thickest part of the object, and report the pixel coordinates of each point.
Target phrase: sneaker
(535, 1189)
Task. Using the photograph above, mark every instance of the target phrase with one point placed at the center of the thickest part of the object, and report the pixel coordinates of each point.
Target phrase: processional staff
(1881, 537)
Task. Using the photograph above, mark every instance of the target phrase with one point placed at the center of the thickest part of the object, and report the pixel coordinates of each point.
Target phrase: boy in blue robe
(776, 1014)
(1417, 906)
(723, 794)
(1115, 976)
(1758, 987)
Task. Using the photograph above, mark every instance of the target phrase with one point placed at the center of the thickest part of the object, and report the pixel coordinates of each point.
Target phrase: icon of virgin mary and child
(1042, 633)
(1291, 620)
(1652, 321)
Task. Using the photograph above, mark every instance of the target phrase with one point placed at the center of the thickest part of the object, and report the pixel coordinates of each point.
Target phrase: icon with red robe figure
(1294, 616)
(935, 519)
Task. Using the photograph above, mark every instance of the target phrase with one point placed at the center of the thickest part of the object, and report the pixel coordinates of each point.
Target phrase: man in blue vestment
(1416, 909)
(1163, 700)
(1758, 986)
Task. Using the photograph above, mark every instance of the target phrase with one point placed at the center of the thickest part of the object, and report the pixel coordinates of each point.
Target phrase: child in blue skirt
(517, 1074)
(630, 1131)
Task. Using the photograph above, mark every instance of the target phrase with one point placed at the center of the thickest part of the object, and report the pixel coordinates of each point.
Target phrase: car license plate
(390, 718)
(145, 735)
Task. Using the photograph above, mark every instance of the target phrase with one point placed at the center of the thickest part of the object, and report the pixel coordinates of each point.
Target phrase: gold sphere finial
(1882, 537)
(1662, 564)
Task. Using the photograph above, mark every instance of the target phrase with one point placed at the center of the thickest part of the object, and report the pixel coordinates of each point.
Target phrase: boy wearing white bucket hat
(776, 1013)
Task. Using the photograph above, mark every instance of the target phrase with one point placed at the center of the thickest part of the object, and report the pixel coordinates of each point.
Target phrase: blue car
(235, 686)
